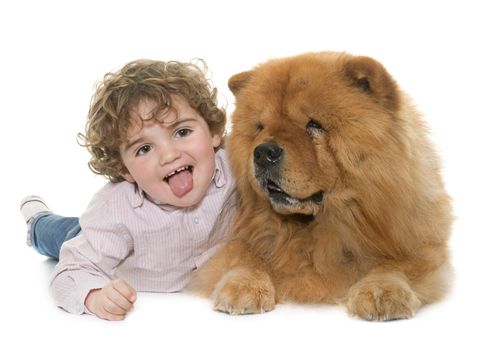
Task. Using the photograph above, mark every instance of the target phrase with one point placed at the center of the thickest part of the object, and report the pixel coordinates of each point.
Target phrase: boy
(155, 131)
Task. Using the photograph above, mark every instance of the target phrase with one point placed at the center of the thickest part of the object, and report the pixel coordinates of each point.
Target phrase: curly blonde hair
(120, 92)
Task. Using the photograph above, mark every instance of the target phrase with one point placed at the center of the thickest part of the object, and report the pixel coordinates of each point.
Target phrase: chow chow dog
(341, 198)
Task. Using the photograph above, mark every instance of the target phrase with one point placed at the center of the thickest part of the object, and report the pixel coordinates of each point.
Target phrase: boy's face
(172, 161)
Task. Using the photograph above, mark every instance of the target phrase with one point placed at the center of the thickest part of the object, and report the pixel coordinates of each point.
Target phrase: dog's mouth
(284, 203)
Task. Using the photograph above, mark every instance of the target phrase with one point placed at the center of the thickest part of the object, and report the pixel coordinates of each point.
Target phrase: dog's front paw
(244, 291)
(382, 299)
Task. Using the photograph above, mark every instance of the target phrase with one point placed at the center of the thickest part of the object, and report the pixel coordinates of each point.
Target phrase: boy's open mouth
(180, 180)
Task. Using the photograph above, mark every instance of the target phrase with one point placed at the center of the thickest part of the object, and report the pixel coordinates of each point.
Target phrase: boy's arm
(88, 261)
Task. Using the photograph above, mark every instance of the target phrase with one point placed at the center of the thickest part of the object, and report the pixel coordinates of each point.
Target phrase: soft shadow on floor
(48, 265)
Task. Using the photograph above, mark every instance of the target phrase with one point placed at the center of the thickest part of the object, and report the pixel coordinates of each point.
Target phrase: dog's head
(303, 123)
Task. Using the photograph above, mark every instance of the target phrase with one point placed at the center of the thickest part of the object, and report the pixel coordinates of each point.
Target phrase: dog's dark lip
(272, 187)
(278, 195)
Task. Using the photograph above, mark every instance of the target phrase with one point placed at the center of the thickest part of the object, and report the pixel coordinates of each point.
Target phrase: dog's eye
(314, 127)
(259, 127)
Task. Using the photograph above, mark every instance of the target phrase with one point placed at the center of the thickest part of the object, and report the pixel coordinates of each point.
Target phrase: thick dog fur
(341, 195)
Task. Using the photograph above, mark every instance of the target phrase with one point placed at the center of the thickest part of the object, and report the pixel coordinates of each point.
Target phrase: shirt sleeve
(89, 260)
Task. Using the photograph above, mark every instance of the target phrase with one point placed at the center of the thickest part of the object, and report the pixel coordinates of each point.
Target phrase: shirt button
(196, 220)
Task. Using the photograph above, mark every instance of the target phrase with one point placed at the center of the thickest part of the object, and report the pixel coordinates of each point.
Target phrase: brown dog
(341, 195)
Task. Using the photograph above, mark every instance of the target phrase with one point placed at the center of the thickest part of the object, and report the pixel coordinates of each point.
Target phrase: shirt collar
(138, 196)
(219, 174)
(218, 179)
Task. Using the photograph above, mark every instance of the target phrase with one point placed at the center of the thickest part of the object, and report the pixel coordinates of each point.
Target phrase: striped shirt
(154, 247)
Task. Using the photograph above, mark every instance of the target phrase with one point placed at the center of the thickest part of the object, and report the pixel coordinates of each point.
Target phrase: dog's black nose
(268, 154)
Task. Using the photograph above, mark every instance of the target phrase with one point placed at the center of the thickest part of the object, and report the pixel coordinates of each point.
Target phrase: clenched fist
(113, 301)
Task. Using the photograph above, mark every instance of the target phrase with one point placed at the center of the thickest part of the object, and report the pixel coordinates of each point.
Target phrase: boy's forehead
(145, 109)
(147, 112)
(140, 119)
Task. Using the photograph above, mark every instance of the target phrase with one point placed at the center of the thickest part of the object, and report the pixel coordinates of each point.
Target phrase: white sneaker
(31, 208)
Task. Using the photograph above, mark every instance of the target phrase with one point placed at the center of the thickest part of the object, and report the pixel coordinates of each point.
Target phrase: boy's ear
(128, 177)
(237, 81)
(216, 140)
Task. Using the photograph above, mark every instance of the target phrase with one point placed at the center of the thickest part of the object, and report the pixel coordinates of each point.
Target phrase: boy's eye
(183, 132)
(143, 150)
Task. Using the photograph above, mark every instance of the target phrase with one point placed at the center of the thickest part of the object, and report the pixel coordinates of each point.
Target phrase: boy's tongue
(181, 183)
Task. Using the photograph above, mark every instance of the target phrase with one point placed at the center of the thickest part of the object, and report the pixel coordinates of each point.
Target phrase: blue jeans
(49, 231)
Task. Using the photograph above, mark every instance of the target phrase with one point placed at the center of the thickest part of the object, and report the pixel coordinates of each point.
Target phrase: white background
(51, 55)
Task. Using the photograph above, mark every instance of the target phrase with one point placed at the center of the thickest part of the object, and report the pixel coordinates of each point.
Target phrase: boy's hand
(113, 301)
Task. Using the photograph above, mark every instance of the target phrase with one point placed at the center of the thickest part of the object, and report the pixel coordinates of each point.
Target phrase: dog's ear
(373, 79)
(237, 81)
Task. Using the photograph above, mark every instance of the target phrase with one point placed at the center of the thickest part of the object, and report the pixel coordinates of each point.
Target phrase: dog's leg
(244, 290)
(236, 281)
(382, 296)
(396, 290)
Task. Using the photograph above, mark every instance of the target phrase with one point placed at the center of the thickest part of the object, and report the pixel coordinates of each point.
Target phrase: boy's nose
(168, 154)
